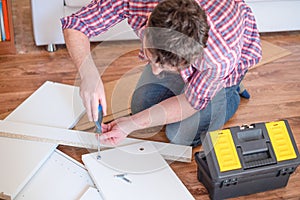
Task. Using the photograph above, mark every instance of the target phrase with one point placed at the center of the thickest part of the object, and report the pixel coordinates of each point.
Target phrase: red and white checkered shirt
(232, 47)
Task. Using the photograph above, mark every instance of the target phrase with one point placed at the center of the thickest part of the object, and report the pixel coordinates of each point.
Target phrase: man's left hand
(114, 132)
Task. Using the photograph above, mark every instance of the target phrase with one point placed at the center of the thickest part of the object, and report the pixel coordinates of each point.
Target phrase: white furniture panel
(150, 177)
(53, 104)
(20, 160)
(60, 177)
(91, 194)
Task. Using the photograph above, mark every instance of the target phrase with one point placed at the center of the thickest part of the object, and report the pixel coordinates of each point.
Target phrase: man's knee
(148, 95)
(178, 133)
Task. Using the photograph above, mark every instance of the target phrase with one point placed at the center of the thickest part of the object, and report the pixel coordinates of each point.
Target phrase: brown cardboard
(270, 52)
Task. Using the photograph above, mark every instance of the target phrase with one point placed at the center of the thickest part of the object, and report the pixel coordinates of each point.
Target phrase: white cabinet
(276, 15)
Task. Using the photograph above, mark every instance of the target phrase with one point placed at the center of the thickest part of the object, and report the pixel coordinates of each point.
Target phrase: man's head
(176, 34)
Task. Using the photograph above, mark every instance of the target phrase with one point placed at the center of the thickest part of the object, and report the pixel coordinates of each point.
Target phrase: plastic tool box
(248, 159)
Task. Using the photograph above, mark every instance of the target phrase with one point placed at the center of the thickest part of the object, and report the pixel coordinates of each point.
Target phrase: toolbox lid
(250, 150)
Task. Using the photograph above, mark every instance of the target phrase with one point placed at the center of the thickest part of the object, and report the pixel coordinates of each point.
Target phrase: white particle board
(91, 194)
(20, 160)
(53, 104)
(150, 175)
(50, 134)
(174, 152)
(61, 177)
(83, 139)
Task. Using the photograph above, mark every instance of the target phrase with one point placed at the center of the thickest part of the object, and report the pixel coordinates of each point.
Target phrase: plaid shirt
(232, 47)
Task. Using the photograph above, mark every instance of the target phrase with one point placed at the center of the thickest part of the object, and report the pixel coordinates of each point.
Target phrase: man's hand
(92, 92)
(116, 131)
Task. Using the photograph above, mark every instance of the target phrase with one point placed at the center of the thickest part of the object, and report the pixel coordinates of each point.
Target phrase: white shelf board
(60, 177)
(53, 104)
(20, 160)
(151, 176)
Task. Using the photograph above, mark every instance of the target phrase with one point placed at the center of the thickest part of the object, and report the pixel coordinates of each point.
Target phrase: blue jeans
(151, 90)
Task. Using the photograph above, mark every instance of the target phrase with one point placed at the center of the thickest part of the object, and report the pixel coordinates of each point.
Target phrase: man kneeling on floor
(198, 52)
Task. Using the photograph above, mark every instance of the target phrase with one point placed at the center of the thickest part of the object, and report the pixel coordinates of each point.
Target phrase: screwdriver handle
(100, 118)
(99, 128)
(100, 113)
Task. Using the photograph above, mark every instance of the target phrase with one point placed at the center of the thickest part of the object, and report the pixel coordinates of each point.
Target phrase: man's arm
(171, 110)
(91, 20)
(91, 88)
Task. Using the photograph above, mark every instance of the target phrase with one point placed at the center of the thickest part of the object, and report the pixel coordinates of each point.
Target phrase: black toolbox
(248, 159)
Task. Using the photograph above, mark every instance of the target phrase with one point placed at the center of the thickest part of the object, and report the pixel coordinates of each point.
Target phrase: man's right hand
(92, 94)
(91, 89)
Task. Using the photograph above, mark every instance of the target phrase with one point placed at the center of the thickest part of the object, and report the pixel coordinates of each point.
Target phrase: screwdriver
(99, 128)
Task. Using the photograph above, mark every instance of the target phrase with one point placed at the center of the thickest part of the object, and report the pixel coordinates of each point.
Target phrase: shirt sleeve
(203, 86)
(97, 17)
(100, 15)
(251, 52)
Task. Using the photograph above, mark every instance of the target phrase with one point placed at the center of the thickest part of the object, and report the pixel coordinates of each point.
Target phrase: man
(198, 53)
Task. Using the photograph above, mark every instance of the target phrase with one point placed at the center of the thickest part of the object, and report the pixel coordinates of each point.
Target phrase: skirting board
(148, 175)
(20, 160)
(60, 177)
(83, 139)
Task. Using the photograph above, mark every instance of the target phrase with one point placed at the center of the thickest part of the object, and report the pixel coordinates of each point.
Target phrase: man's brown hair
(177, 32)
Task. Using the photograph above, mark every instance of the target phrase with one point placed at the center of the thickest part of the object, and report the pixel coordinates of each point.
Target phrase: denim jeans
(151, 90)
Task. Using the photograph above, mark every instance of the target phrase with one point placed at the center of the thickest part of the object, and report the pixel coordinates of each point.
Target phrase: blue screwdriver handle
(99, 128)
(99, 121)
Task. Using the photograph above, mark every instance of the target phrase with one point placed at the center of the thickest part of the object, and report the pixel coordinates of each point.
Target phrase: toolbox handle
(260, 158)
(254, 149)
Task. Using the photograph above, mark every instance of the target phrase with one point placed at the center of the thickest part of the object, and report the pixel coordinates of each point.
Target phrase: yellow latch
(225, 150)
(281, 141)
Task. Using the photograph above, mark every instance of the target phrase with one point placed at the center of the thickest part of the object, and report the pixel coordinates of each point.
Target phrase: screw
(122, 176)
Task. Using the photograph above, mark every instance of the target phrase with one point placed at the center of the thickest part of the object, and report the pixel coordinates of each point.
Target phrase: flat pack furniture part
(134, 172)
(52, 104)
(60, 177)
(91, 194)
(83, 139)
(20, 160)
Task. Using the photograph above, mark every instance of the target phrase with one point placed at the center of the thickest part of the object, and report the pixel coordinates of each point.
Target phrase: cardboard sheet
(271, 52)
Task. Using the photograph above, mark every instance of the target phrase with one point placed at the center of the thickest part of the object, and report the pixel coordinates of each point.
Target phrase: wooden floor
(274, 88)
